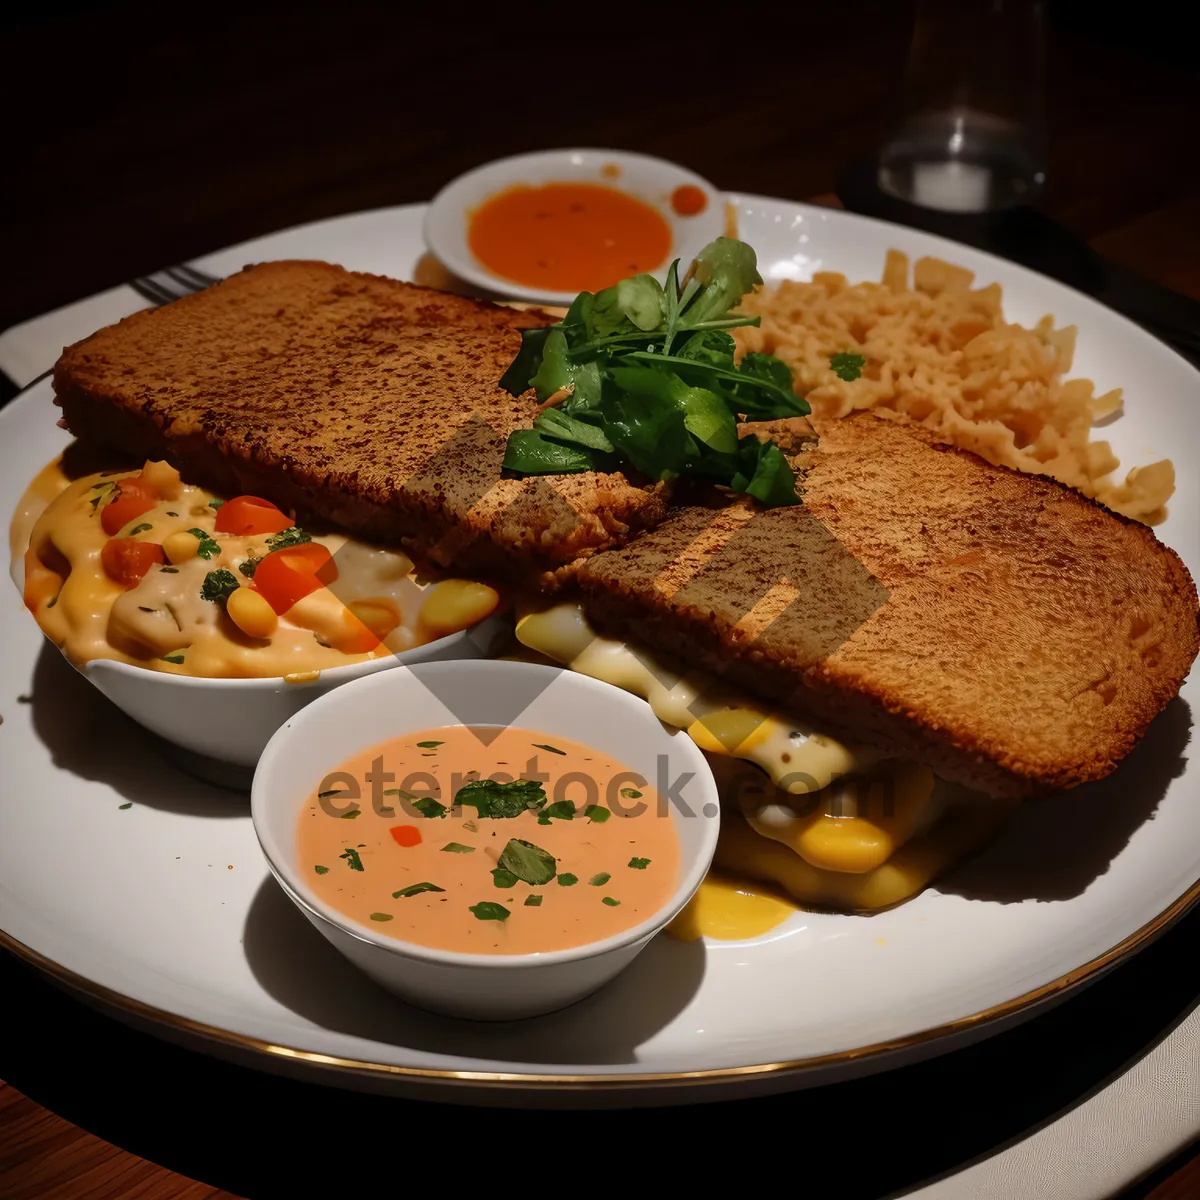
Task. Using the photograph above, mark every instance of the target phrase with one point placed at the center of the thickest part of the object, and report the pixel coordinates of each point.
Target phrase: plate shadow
(1056, 846)
(304, 973)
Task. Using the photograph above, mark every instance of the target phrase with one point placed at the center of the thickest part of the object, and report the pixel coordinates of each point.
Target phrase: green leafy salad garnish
(648, 380)
(492, 799)
(489, 910)
(208, 544)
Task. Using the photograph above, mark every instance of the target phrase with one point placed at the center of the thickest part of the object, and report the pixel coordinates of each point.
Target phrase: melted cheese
(163, 618)
(730, 911)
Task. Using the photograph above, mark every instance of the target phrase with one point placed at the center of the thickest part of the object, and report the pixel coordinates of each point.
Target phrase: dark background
(140, 134)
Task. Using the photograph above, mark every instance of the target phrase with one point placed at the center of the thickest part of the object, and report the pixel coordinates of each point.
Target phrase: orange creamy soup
(484, 840)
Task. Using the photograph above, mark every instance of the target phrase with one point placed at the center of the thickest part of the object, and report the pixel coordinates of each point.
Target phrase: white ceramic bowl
(650, 179)
(221, 726)
(556, 702)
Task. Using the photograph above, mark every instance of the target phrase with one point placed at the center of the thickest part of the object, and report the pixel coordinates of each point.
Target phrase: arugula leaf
(562, 810)
(489, 910)
(597, 814)
(415, 889)
(847, 365)
(634, 402)
(533, 901)
(566, 879)
(599, 880)
(218, 585)
(610, 902)
(529, 863)
(288, 537)
(765, 473)
(501, 800)
(502, 877)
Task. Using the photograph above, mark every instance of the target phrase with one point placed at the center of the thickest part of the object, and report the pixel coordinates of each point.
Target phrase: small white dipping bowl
(653, 180)
(221, 726)
(553, 702)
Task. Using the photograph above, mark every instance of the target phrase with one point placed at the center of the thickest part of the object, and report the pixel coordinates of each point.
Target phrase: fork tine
(148, 289)
(186, 273)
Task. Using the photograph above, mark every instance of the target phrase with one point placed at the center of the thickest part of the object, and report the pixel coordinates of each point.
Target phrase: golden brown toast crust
(350, 399)
(1020, 637)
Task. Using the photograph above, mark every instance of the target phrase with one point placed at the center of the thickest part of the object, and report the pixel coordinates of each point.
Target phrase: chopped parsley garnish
(331, 792)
(533, 902)
(429, 745)
(104, 493)
(169, 570)
(501, 800)
(208, 546)
(381, 916)
(502, 877)
(219, 585)
(173, 658)
(172, 514)
(140, 528)
(566, 879)
(651, 381)
(427, 806)
(847, 365)
(561, 810)
(143, 608)
(349, 816)
(529, 863)
(552, 749)
(610, 902)
(489, 910)
(597, 813)
(457, 848)
(321, 870)
(599, 880)
(352, 857)
(638, 864)
(400, 792)
(248, 567)
(631, 793)
(127, 804)
(288, 537)
(415, 889)
(470, 827)
(215, 503)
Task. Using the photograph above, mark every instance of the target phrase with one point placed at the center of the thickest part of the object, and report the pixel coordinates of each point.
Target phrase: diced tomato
(247, 516)
(406, 835)
(126, 560)
(134, 497)
(290, 574)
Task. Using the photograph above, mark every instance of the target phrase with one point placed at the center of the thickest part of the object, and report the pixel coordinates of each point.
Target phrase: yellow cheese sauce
(372, 603)
(832, 825)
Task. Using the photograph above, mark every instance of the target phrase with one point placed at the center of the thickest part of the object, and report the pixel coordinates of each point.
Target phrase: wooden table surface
(137, 145)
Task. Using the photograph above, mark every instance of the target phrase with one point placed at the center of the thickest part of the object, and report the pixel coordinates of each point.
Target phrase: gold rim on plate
(508, 1079)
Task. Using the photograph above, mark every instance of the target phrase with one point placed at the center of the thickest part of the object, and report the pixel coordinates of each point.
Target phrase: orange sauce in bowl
(568, 237)
(394, 843)
(688, 200)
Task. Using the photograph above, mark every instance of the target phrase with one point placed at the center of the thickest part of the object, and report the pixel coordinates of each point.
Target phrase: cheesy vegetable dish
(146, 569)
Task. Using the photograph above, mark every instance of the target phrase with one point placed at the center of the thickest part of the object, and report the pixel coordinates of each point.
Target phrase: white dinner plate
(164, 911)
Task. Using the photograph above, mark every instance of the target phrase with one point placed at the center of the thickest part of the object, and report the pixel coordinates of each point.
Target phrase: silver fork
(172, 283)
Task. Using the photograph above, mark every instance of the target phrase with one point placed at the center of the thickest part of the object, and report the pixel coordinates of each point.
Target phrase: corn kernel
(455, 604)
(163, 478)
(251, 613)
(180, 546)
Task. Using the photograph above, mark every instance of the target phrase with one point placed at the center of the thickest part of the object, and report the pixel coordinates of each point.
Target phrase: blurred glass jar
(970, 132)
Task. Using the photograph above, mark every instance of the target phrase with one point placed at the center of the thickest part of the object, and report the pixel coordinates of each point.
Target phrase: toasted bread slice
(348, 399)
(1000, 627)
